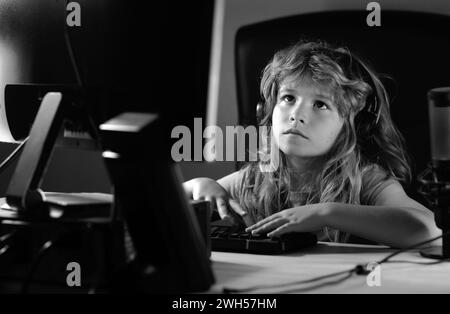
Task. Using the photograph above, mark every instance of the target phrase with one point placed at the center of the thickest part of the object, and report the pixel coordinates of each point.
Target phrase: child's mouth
(295, 132)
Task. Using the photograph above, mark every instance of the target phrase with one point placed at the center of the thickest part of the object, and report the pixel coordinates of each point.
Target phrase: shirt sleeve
(233, 183)
(374, 181)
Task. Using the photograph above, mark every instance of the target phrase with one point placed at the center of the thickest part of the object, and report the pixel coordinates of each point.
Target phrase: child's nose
(299, 112)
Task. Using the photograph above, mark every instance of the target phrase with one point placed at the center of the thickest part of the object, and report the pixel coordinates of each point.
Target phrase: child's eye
(287, 98)
(321, 105)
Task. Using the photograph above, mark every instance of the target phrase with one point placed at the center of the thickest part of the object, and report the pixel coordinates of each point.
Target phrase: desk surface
(407, 273)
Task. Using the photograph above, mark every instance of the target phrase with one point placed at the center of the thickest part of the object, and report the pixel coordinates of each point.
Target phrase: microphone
(434, 182)
(439, 115)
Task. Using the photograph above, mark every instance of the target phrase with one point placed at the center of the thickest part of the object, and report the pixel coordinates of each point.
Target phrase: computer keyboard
(228, 238)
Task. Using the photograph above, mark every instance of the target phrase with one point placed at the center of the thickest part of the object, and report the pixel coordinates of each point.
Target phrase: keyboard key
(245, 235)
(257, 236)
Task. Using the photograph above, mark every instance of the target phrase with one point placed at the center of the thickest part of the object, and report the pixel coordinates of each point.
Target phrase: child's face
(304, 108)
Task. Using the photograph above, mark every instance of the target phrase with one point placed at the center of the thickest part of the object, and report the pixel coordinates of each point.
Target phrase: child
(340, 159)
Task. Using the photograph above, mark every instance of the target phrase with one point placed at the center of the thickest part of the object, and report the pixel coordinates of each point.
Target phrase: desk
(407, 273)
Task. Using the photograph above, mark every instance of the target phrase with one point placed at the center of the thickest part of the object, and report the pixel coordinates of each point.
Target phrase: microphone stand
(434, 185)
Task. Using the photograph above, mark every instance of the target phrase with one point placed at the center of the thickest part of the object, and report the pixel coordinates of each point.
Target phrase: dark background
(150, 57)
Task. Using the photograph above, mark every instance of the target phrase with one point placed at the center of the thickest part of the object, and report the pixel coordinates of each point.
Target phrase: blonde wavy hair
(368, 135)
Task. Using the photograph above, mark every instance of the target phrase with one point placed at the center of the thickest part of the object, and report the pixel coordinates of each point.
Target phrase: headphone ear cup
(260, 112)
(365, 126)
(367, 118)
(364, 122)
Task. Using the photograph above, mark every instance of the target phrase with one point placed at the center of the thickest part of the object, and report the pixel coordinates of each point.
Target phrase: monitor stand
(24, 198)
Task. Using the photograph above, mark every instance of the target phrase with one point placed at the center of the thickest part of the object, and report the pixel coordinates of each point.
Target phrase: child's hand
(209, 190)
(308, 218)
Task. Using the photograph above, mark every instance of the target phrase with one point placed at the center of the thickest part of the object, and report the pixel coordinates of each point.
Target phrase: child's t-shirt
(374, 181)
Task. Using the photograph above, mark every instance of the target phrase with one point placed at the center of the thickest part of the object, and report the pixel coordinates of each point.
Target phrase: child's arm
(226, 183)
(394, 219)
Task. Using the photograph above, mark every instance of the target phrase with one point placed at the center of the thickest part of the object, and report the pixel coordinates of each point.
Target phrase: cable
(6, 237)
(72, 57)
(17, 150)
(4, 249)
(359, 269)
(329, 283)
(412, 247)
(41, 253)
(231, 290)
(420, 263)
(5, 242)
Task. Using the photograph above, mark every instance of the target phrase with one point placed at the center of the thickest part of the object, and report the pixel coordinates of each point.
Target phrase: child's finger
(236, 207)
(222, 207)
(286, 228)
(274, 224)
(212, 203)
(261, 222)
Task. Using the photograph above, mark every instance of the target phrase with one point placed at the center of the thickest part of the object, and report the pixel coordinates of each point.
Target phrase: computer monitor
(151, 61)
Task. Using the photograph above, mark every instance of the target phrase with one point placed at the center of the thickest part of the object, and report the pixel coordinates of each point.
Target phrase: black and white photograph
(224, 154)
